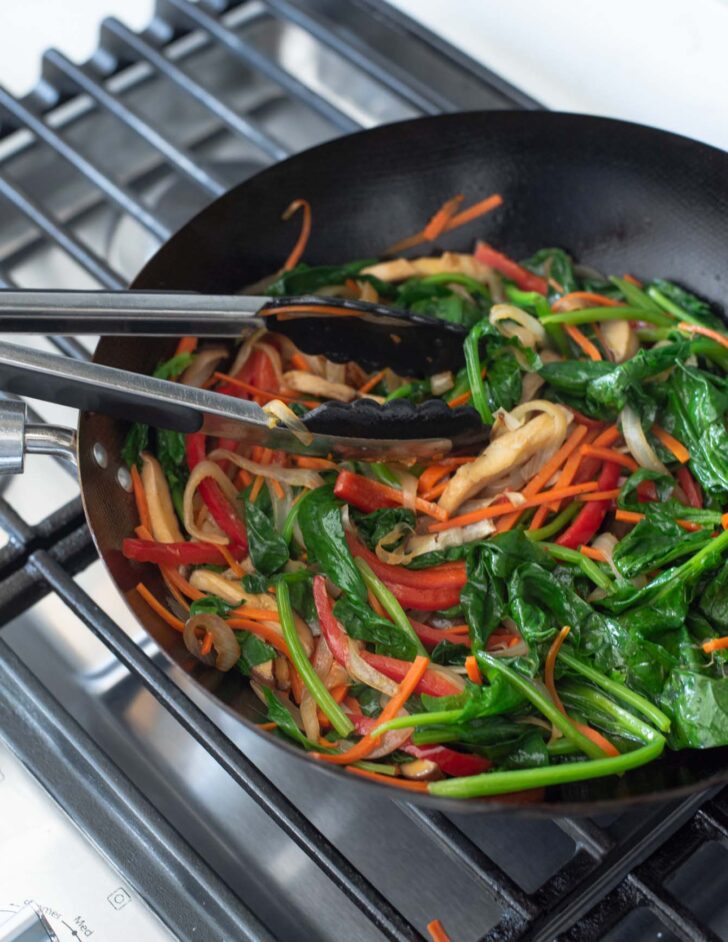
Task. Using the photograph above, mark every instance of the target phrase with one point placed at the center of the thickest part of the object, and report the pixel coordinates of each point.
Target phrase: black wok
(619, 197)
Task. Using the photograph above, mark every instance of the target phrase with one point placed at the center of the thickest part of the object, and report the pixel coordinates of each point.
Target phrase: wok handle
(18, 438)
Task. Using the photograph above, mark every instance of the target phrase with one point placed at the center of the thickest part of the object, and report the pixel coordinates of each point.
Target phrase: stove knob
(27, 925)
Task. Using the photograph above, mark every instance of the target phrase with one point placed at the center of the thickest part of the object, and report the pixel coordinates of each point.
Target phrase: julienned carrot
(437, 933)
(589, 297)
(255, 614)
(268, 634)
(608, 454)
(582, 341)
(179, 581)
(431, 476)
(454, 222)
(612, 494)
(632, 280)
(596, 737)
(186, 345)
(372, 382)
(631, 516)
(385, 779)
(300, 246)
(472, 669)
(672, 444)
(267, 727)
(367, 743)
(436, 491)
(254, 390)
(596, 554)
(206, 645)
(233, 564)
(715, 644)
(368, 495)
(437, 225)
(460, 400)
(724, 521)
(314, 464)
(140, 498)
(548, 470)
(608, 437)
(705, 331)
(255, 489)
(496, 510)
(299, 362)
(157, 606)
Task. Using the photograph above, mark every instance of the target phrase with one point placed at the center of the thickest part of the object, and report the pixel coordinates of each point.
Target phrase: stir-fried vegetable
(551, 610)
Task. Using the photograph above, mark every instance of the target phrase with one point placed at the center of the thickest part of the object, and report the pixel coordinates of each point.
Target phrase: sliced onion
(441, 382)
(530, 385)
(362, 672)
(297, 477)
(637, 443)
(408, 482)
(245, 350)
(448, 674)
(282, 413)
(280, 506)
(303, 382)
(367, 291)
(606, 543)
(206, 469)
(226, 650)
(230, 590)
(163, 518)
(335, 372)
(203, 366)
(401, 556)
(309, 716)
(392, 740)
(511, 321)
(516, 650)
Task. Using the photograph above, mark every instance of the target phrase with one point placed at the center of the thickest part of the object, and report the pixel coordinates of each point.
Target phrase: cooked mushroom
(165, 527)
(621, 341)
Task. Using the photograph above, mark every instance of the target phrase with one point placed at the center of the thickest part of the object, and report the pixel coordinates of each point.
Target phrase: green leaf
(268, 549)
(684, 305)
(283, 719)
(655, 541)
(363, 624)
(369, 699)
(136, 441)
(530, 752)
(698, 707)
(305, 279)
(713, 601)
(323, 534)
(445, 652)
(373, 527)
(253, 651)
(172, 368)
(213, 605)
(556, 264)
(170, 450)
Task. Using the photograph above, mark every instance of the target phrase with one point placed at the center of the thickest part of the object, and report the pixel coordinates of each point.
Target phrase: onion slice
(282, 413)
(362, 672)
(226, 650)
(637, 443)
(297, 477)
(206, 469)
(511, 321)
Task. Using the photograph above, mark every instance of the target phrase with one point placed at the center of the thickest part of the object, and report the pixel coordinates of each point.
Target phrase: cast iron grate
(606, 877)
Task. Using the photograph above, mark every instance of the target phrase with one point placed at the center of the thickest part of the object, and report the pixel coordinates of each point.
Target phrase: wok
(618, 196)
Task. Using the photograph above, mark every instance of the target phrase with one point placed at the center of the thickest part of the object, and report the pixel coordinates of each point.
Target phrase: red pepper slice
(525, 279)
(222, 511)
(451, 762)
(587, 521)
(362, 493)
(432, 682)
(431, 637)
(436, 577)
(690, 486)
(172, 554)
(424, 600)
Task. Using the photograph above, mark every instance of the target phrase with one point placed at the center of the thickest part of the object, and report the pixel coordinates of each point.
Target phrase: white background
(661, 62)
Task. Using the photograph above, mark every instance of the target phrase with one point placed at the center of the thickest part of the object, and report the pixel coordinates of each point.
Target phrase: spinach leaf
(171, 455)
(678, 301)
(305, 279)
(283, 718)
(172, 368)
(698, 707)
(612, 388)
(437, 300)
(323, 534)
(530, 752)
(445, 652)
(253, 651)
(268, 549)
(655, 541)
(497, 696)
(369, 699)
(363, 624)
(713, 601)
(695, 414)
(556, 264)
(373, 527)
(213, 605)
(573, 377)
(136, 441)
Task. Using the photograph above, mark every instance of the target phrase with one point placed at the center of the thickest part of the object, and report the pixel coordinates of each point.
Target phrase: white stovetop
(660, 62)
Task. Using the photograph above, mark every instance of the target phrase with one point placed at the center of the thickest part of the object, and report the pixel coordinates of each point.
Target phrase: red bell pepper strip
(257, 371)
(363, 493)
(450, 575)
(222, 511)
(172, 554)
(451, 762)
(587, 521)
(690, 486)
(432, 682)
(424, 600)
(525, 279)
(431, 637)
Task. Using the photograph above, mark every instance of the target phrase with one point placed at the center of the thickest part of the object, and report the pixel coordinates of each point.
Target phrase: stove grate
(606, 877)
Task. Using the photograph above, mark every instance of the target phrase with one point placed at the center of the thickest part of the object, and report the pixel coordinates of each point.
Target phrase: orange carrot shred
(231, 561)
(672, 444)
(255, 490)
(273, 637)
(473, 671)
(453, 222)
(186, 345)
(437, 225)
(631, 516)
(705, 331)
(385, 779)
(254, 390)
(460, 400)
(436, 491)
(607, 454)
(596, 737)
(300, 246)
(431, 476)
(157, 606)
(206, 645)
(437, 933)
(596, 554)
(314, 464)
(299, 361)
(715, 644)
(268, 727)
(612, 494)
(589, 297)
(632, 280)
(724, 521)
(581, 340)
(141, 498)
(372, 382)
(608, 437)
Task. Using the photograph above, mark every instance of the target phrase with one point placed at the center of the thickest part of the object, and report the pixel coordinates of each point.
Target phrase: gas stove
(128, 810)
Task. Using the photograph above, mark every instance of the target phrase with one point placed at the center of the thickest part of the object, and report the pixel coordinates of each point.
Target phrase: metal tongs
(373, 335)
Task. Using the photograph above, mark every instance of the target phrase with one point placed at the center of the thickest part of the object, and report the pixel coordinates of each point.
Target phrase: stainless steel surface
(136, 397)
(12, 435)
(27, 925)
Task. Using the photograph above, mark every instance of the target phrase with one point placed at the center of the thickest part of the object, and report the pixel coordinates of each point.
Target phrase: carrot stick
(255, 490)
(437, 225)
(596, 554)
(157, 606)
(267, 727)
(338, 693)
(596, 737)
(631, 516)
(724, 521)
(255, 391)
(385, 779)
(460, 400)
(256, 614)
(608, 437)
(473, 671)
(206, 645)
(300, 362)
(179, 581)
(431, 476)
(582, 341)
(141, 498)
(436, 491)
(715, 644)
(314, 464)
(632, 280)
(437, 933)
(608, 454)
(612, 494)
(367, 743)
(705, 331)
(376, 604)
(496, 510)
(672, 444)
(232, 562)
(245, 478)
(371, 382)
(454, 222)
(590, 299)
(301, 242)
(186, 345)
(268, 634)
